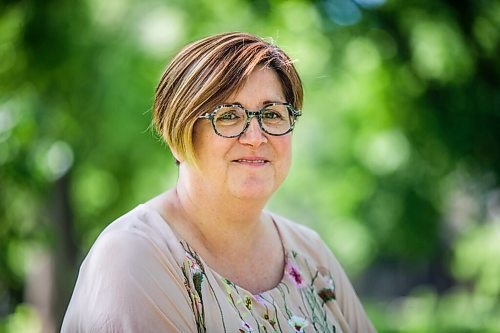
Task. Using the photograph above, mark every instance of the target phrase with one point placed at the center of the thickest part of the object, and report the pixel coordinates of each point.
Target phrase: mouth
(251, 161)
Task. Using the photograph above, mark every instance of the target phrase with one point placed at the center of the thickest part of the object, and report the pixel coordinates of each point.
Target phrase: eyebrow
(263, 103)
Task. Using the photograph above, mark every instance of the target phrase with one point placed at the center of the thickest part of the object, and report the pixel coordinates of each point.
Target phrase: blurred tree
(60, 133)
(397, 150)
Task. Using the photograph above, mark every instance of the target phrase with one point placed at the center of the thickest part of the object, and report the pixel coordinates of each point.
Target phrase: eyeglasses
(232, 120)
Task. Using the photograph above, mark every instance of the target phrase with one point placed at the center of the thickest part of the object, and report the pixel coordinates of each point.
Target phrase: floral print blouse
(138, 277)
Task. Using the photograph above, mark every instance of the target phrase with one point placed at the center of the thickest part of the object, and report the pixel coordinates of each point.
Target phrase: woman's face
(254, 164)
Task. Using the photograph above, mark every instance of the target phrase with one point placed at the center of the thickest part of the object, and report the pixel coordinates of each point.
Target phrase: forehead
(262, 85)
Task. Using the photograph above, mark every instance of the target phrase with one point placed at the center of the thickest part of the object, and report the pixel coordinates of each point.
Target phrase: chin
(254, 190)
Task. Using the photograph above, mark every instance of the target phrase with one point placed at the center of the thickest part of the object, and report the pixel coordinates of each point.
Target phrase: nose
(253, 136)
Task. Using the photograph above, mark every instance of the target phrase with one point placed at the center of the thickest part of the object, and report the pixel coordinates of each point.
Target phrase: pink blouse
(138, 277)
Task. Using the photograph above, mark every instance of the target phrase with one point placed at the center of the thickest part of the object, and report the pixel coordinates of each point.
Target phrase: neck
(218, 219)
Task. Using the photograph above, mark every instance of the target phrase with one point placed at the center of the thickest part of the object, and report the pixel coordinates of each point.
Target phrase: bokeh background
(396, 159)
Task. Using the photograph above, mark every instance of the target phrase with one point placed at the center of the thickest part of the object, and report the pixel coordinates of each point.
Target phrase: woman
(205, 256)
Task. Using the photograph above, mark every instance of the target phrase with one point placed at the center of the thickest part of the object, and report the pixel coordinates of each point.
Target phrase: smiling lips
(252, 161)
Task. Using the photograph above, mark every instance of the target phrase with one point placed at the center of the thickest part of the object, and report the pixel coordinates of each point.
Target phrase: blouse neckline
(179, 241)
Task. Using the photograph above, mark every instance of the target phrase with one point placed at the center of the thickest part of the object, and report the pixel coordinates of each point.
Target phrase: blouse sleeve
(348, 301)
(128, 283)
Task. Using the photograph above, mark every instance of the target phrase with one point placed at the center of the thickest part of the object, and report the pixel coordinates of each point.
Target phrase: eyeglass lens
(231, 120)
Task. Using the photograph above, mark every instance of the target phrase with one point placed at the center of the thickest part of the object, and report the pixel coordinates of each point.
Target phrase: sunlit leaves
(395, 159)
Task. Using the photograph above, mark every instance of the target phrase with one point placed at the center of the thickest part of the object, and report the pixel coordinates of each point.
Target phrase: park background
(396, 159)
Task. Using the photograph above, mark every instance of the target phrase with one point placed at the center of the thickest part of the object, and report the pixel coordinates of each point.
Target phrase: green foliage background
(396, 160)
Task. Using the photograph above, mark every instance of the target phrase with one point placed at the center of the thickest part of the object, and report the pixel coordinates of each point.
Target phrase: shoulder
(136, 233)
(119, 278)
(133, 244)
(294, 228)
(311, 247)
(302, 239)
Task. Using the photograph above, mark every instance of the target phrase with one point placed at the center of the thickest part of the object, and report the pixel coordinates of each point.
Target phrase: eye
(229, 115)
(271, 114)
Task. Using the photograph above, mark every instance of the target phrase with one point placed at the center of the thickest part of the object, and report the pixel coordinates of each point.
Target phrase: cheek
(284, 151)
(210, 149)
(201, 140)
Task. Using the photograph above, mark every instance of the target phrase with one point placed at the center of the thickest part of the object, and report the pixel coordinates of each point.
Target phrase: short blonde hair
(205, 73)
